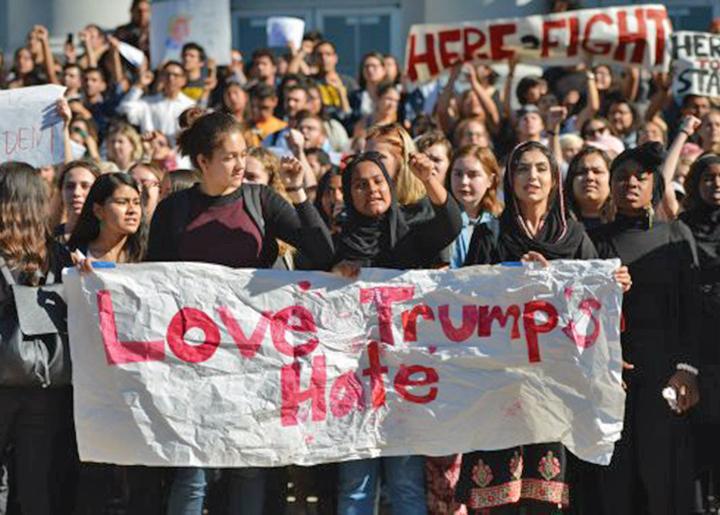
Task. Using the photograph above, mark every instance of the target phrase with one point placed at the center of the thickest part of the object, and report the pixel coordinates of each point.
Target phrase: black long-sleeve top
(238, 230)
(661, 309)
(420, 245)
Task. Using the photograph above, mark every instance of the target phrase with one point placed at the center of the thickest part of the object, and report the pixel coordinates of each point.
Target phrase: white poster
(636, 35)
(134, 55)
(31, 129)
(696, 64)
(179, 364)
(176, 22)
(282, 30)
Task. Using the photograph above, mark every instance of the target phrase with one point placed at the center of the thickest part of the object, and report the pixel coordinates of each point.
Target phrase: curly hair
(271, 164)
(692, 182)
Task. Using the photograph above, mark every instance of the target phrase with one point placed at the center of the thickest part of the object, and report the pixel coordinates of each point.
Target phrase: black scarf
(704, 222)
(558, 238)
(370, 241)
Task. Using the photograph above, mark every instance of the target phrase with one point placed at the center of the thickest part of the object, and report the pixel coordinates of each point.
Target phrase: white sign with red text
(185, 364)
(636, 35)
(31, 129)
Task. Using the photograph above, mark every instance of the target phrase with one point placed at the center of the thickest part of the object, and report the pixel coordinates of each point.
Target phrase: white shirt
(154, 112)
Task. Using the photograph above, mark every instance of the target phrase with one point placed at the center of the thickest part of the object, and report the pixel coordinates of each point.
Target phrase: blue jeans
(187, 492)
(246, 491)
(404, 477)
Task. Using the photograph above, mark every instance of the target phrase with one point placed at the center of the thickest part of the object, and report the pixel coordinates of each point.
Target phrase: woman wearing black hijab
(534, 222)
(375, 234)
(651, 469)
(702, 216)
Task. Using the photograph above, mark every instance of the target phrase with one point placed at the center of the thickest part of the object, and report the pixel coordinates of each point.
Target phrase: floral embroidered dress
(496, 478)
(531, 473)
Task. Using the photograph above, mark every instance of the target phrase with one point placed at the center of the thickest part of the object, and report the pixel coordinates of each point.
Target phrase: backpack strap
(180, 215)
(251, 195)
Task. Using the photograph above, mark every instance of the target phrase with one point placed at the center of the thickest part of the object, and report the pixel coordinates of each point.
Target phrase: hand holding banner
(268, 368)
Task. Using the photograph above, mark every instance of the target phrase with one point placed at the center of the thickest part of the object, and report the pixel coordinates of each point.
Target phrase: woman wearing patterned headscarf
(533, 226)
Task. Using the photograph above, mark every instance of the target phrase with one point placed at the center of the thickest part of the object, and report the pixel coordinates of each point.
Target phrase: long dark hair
(87, 228)
(574, 171)
(361, 76)
(24, 230)
(556, 202)
(692, 182)
(322, 187)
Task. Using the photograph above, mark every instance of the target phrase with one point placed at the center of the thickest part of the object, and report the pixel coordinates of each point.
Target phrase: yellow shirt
(270, 126)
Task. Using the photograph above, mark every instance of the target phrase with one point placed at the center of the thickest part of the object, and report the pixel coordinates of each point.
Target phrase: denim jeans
(404, 478)
(246, 490)
(187, 492)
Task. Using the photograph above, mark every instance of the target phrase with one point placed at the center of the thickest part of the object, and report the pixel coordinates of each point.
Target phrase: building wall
(60, 17)
(446, 11)
(63, 16)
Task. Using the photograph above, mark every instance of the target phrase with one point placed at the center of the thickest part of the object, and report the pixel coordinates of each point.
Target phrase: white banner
(634, 35)
(30, 126)
(201, 365)
(696, 64)
(176, 22)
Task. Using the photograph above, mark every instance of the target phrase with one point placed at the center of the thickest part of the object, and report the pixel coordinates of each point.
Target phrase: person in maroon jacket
(224, 221)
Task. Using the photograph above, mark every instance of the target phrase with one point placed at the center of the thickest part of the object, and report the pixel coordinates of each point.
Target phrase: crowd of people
(280, 161)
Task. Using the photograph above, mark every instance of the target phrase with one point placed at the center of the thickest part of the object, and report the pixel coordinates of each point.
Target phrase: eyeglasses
(174, 74)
